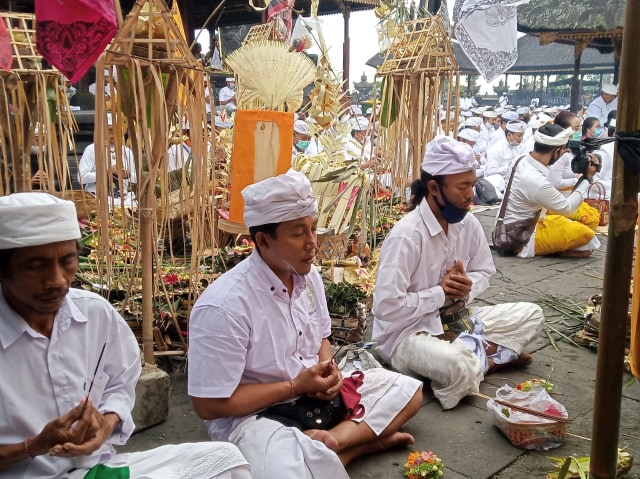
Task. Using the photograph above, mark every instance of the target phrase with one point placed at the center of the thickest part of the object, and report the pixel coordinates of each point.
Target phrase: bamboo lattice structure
(419, 75)
(36, 123)
(157, 90)
(264, 31)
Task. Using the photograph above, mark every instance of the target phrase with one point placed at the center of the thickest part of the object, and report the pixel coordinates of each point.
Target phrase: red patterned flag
(281, 11)
(71, 34)
(6, 56)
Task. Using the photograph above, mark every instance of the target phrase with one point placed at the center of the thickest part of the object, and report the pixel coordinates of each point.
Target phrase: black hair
(268, 229)
(564, 119)
(419, 188)
(588, 123)
(548, 129)
(5, 257)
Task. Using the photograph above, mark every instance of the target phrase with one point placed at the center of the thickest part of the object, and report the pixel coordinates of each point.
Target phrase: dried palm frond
(269, 72)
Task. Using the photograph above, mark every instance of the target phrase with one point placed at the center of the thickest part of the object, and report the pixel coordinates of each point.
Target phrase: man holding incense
(70, 364)
(260, 362)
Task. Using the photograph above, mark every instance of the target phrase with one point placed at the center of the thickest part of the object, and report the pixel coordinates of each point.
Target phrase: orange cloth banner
(262, 148)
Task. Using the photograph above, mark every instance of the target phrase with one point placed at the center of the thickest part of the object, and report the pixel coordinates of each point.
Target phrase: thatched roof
(533, 58)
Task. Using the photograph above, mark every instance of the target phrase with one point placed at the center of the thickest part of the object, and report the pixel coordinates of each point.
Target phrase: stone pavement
(464, 438)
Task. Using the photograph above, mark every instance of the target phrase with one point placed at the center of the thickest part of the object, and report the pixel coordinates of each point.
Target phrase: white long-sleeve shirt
(413, 261)
(532, 191)
(600, 110)
(561, 175)
(42, 379)
(87, 167)
(500, 158)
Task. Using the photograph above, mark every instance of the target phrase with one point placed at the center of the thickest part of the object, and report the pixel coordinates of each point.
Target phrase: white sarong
(454, 369)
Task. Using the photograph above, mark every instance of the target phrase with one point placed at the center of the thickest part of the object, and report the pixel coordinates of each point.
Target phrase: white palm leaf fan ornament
(269, 72)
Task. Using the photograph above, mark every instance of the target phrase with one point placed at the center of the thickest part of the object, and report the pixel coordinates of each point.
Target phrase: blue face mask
(598, 132)
(577, 136)
(451, 213)
(303, 144)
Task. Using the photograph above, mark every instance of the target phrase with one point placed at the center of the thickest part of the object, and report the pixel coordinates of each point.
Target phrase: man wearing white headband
(71, 363)
(501, 127)
(302, 141)
(606, 102)
(263, 327)
(359, 146)
(436, 259)
(227, 95)
(532, 191)
(501, 154)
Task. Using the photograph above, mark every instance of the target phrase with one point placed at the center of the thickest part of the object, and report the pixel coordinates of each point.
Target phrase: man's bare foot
(326, 437)
(524, 359)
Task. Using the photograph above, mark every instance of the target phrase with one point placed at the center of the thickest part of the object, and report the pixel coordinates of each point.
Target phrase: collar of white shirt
(269, 281)
(12, 326)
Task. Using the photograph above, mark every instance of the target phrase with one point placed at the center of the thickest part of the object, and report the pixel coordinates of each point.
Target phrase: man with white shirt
(489, 124)
(71, 363)
(501, 154)
(227, 95)
(499, 134)
(435, 259)
(302, 144)
(606, 102)
(121, 172)
(532, 191)
(264, 327)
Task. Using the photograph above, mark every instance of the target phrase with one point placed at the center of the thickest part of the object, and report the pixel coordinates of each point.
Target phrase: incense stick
(533, 412)
(95, 373)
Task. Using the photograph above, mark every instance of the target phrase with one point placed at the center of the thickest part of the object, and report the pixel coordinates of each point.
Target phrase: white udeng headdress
(277, 199)
(558, 140)
(446, 156)
(33, 219)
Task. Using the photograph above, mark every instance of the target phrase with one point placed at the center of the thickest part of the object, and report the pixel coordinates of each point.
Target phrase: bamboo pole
(618, 265)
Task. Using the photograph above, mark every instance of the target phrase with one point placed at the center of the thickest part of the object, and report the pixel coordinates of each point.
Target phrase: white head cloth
(490, 114)
(609, 89)
(516, 126)
(469, 134)
(466, 113)
(300, 126)
(535, 124)
(359, 123)
(543, 117)
(279, 198)
(523, 110)
(446, 156)
(499, 110)
(355, 110)
(558, 140)
(230, 80)
(473, 121)
(510, 116)
(220, 124)
(33, 219)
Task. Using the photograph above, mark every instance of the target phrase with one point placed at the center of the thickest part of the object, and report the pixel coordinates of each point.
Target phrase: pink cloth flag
(71, 34)
(6, 55)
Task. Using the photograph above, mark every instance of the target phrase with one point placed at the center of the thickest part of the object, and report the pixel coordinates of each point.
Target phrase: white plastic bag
(525, 430)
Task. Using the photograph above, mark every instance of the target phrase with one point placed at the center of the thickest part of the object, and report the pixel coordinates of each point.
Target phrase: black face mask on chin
(451, 213)
(556, 158)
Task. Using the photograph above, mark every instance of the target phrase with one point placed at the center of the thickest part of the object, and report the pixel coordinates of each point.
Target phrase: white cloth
(532, 190)
(359, 123)
(561, 175)
(503, 101)
(302, 127)
(599, 109)
(248, 326)
(605, 175)
(49, 377)
(87, 167)
(446, 156)
(487, 32)
(408, 295)
(495, 137)
(30, 219)
(454, 369)
(279, 198)
(177, 156)
(500, 157)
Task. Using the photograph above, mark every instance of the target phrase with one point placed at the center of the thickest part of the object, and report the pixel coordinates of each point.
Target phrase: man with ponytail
(434, 262)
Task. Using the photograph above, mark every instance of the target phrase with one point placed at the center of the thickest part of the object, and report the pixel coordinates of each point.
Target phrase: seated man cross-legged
(59, 345)
(259, 338)
(437, 258)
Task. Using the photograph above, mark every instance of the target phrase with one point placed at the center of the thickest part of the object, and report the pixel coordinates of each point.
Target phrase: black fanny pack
(456, 318)
(307, 413)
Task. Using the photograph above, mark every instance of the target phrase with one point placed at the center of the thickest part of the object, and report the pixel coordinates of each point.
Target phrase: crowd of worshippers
(562, 222)
(261, 371)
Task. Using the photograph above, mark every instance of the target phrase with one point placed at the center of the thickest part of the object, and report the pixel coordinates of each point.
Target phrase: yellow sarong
(557, 233)
(585, 214)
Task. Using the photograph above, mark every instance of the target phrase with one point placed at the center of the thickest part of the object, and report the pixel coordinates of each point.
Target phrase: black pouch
(307, 413)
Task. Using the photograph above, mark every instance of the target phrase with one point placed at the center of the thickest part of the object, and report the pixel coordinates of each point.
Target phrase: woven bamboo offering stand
(26, 93)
